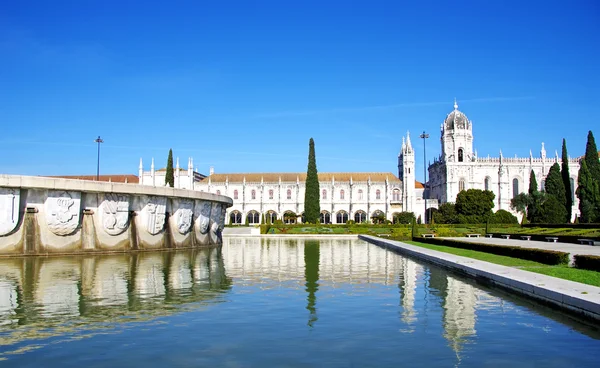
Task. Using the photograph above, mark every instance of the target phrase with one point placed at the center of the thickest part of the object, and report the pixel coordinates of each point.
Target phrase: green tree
(533, 185)
(169, 178)
(566, 178)
(591, 157)
(474, 206)
(312, 205)
(556, 187)
(446, 214)
(588, 193)
(553, 212)
(533, 206)
(404, 218)
(504, 217)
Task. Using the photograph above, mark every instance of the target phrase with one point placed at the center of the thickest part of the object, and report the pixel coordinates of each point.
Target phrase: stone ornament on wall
(215, 216)
(62, 211)
(154, 214)
(184, 216)
(203, 216)
(9, 209)
(114, 213)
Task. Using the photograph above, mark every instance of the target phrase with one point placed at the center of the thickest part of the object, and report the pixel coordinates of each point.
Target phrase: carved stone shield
(154, 214)
(62, 211)
(202, 216)
(215, 216)
(184, 216)
(9, 209)
(114, 213)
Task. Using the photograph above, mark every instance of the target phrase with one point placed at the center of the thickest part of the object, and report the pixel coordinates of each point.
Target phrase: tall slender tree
(566, 178)
(588, 194)
(555, 188)
(169, 178)
(533, 205)
(312, 205)
(591, 157)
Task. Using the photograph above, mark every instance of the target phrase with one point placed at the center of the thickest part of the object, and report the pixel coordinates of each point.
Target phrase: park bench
(489, 235)
(428, 235)
(473, 235)
(525, 237)
(588, 241)
(551, 239)
(505, 236)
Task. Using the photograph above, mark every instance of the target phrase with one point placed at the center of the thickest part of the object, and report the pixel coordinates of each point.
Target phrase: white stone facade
(459, 168)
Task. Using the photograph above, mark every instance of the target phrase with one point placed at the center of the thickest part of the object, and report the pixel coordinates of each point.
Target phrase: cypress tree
(169, 178)
(312, 205)
(533, 185)
(591, 157)
(566, 178)
(555, 185)
(588, 194)
(533, 207)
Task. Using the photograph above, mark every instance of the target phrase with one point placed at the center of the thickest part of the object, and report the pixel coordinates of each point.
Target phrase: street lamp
(98, 140)
(424, 136)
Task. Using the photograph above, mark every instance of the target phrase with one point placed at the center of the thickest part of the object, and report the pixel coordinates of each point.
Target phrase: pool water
(278, 302)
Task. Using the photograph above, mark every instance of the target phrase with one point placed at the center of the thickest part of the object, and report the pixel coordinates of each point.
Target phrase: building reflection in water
(39, 295)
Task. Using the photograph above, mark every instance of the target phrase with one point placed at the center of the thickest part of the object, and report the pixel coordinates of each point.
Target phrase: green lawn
(562, 272)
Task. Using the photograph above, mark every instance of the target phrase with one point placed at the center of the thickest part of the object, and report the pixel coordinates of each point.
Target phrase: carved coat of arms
(114, 213)
(215, 216)
(9, 209)
(184, 216)
(62, 211)
(154, 214)
(203, 216)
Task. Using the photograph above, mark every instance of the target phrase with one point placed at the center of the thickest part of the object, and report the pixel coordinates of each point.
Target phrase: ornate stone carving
(9, 209)
(62, 211)
(154, 214)
(215, 217)
(114, 213)
(184, 216)
(203, 216)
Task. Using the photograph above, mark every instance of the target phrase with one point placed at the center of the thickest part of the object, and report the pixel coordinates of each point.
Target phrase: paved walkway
(572, 249)
(576, 297)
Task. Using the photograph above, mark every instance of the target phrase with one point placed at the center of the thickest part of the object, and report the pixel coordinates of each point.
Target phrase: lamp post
(424, 136)
(98, 140)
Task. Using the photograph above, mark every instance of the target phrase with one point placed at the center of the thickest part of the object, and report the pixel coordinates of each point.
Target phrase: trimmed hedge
(566, 226)
(549, 257)
(587, 262)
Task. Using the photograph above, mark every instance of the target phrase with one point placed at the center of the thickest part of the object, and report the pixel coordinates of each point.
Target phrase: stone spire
(543, 151)
(455, 104)
(408, 144)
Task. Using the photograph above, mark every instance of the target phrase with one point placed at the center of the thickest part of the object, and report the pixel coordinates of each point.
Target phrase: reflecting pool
(272, 302)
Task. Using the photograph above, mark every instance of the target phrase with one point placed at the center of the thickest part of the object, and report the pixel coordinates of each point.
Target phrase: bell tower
(457, 137)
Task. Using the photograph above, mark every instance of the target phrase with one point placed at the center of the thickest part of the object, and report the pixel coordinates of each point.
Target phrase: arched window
(487, 183)
(360, 217)
(253, 217)
(218, 192)
(378, 194)
(461, 185)
(341, 217)
(271, 217)
(235, 194)
(324, 194)
(253, 194)
(270, 193)
(396, 195)
(460, 155)
(289, 194)
(325, 217)
(235, 218)
(360, 194)
(378, 217)
(515, 187)
(342, 194)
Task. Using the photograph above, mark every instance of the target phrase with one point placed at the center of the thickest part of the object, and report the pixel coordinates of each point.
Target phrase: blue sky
(243, 85)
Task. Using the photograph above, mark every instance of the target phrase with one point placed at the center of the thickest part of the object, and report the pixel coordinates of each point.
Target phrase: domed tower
(457, 137)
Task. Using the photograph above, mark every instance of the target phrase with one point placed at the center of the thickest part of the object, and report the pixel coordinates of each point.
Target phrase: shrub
(404, 218)
(587, 262)
(504, 217)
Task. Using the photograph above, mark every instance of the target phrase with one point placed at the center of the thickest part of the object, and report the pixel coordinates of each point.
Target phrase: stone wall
(40, 216)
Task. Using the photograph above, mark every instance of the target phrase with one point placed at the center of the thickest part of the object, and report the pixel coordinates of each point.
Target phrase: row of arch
(342, 194)
(289, 217)
(516, 186)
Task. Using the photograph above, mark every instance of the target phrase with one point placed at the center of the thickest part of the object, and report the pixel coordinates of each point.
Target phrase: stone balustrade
(40, 216)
